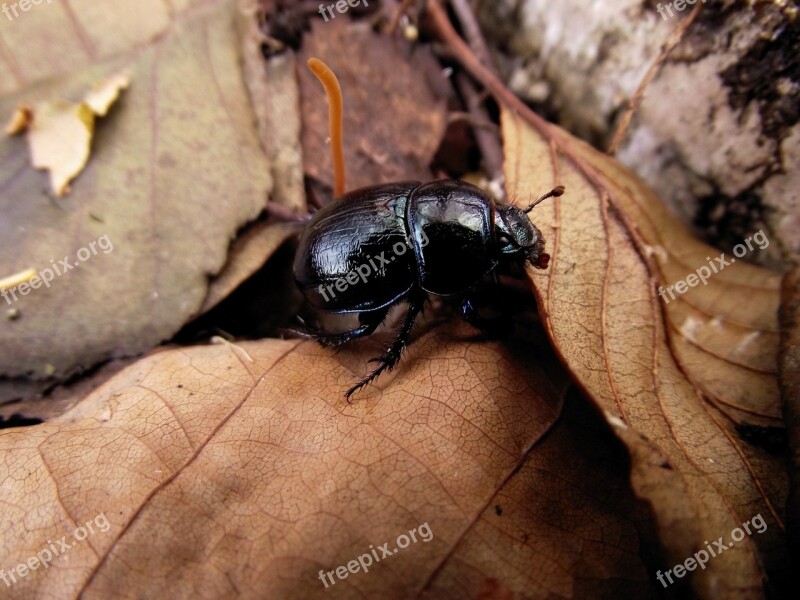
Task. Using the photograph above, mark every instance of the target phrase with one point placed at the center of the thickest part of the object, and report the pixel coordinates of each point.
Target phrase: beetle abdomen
(451, 223)
(354, 255)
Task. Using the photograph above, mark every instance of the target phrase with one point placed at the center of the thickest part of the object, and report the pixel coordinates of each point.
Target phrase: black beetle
(373, 247)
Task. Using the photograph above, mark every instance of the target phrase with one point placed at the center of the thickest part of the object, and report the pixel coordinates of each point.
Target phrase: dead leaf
(59, 136)
(60, 132)
(220, 477)
(60, 38)
(789, 369)
(103, 94)
(393, 122)
(43, 400)
(674, 379)
(249, 253)
(275, 95)
(176, 170)
(20, 120)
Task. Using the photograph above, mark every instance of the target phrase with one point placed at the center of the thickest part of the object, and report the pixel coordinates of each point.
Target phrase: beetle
(380, 245)
(376, 246)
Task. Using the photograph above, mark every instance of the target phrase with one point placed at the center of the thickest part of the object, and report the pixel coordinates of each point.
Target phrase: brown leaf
(176, 170)
(275, 95)
(40, 400)
(673, 378)
(790, 394)
(249, 253)
(393, 122)
(58, 38)
(240, 471)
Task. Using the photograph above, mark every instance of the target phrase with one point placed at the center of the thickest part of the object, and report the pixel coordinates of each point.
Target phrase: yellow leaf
(59, 140)
(20, 120)
(60, 132)
(104, 94)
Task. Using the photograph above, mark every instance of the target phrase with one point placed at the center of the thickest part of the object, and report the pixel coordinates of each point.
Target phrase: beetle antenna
(335, 118)
(554, 193)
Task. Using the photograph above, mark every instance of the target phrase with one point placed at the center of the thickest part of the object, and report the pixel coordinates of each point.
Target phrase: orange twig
(335, 119)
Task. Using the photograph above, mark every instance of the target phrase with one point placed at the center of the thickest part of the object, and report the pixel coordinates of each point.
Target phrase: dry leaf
(393, 125)
(103, 95)
(60, 132)
(60, 38)
(59, 138)
(20, 120)
(275, 93)
(674, 379)
(176, 170)
(248, 254)
(790, 393)
(221, 477)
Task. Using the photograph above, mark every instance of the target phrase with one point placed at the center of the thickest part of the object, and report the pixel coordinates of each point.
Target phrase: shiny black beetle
(374, 247)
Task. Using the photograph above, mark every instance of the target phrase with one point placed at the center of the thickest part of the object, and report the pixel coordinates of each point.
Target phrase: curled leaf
(674, 377)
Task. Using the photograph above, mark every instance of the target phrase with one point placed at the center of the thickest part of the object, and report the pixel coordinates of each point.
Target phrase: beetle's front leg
(390, 358)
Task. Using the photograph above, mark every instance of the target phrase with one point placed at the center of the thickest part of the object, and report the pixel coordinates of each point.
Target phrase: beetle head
(518, 237)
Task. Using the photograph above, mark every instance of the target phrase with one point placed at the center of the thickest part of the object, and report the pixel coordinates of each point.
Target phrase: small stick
(458, 115)
(488, 141)
(335, 120)
(472, 31)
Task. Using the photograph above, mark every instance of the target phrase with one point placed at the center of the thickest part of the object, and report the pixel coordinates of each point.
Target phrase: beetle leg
(499, 326)
(392, 356)
(369, 323)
